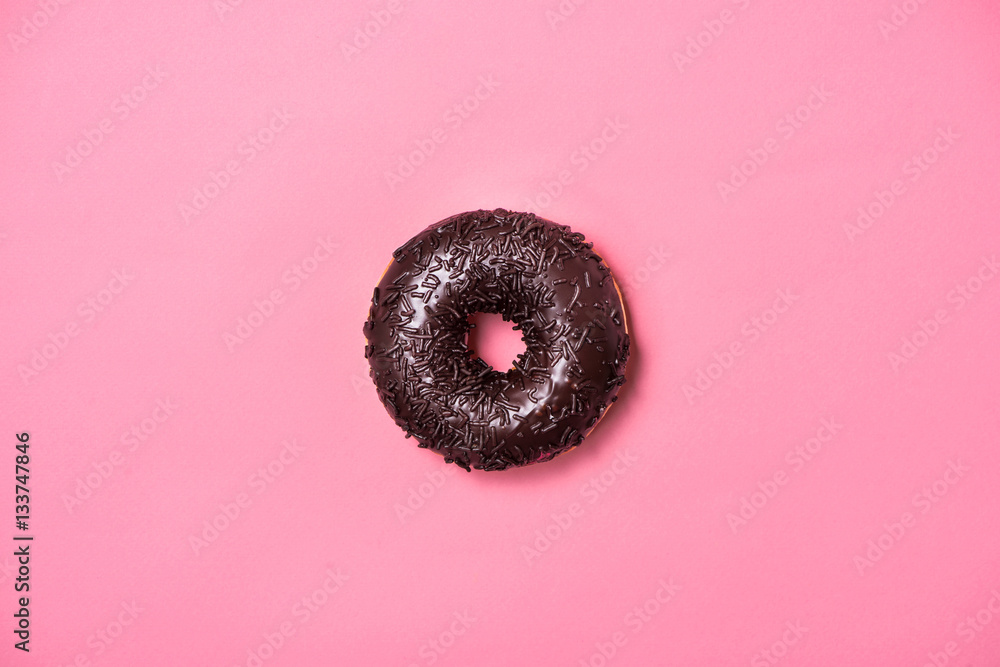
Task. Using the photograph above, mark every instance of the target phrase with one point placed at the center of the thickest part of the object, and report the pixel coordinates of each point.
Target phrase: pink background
(874, 551)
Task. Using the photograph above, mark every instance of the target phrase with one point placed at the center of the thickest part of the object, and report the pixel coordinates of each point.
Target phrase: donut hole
(494, 340)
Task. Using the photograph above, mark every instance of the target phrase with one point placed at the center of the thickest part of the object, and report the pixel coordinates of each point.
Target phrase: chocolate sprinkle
(528, 270)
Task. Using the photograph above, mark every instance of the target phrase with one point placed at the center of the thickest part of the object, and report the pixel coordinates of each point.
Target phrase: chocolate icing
(533, 272)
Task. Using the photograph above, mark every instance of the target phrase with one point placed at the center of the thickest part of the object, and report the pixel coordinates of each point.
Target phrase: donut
(539, 275)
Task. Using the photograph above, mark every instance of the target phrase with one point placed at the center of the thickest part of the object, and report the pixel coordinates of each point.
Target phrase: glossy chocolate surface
(535, 273)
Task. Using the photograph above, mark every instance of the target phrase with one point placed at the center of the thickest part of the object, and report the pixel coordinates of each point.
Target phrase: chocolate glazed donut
(533, 272)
